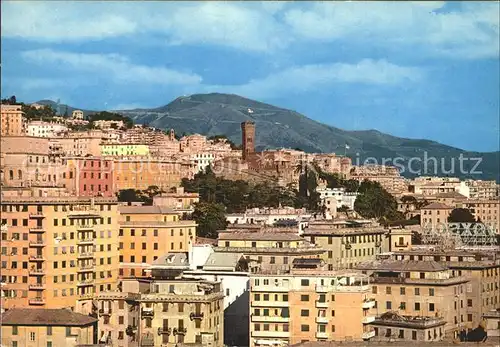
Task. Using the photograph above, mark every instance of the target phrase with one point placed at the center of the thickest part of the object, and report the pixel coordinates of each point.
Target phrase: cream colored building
(485, 210)
(419, 288)
(45, 129)
(435, 214)
(57, 250)
(23, 327)
(177, 199)
(13, 121)
(309, 304)
(77, 114)
(479, 189)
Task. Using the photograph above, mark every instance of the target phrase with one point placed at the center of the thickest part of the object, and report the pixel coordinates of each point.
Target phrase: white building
(342, 197)
(203, 160)
(45, 129)
(271, 216)
(77, 114)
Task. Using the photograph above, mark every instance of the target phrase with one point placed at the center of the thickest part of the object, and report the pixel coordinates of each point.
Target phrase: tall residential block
(248, 138)
(57, 250)
(12, 120)
(148, 232)
(310, 304)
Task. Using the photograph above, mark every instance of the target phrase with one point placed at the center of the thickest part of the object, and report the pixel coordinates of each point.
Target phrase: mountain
(62, 109)
(212, 114)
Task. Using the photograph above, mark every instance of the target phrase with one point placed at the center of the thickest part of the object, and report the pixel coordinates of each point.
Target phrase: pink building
(93, 176)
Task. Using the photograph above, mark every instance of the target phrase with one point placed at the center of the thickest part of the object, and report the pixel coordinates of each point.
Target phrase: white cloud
(314, 77)
(113, 66)
(417, 24)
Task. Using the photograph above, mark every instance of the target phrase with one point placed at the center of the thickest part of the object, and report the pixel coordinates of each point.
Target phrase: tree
(375, 202)
(210, 218)
(10, 101)
(461, 215)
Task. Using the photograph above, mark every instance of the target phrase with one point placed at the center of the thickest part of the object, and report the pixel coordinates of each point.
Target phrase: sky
(411, 69)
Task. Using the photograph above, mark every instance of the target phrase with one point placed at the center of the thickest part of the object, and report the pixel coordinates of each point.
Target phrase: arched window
(20, 174)
(11, 174)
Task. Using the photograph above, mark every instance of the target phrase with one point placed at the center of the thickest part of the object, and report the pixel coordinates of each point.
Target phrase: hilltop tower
(248, 138)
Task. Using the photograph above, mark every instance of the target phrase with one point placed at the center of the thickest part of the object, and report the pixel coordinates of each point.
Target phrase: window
(32, 336)
(304, 282)
(304, 327)
(417, 291)
(388, 305)
(14, 330)
(374, 290)
(68, 331)
(49, 331)
(121, 319)
(469, 302)
(304, 298)
(431, 307)
(120, 335)
(388, 290)
(304, 313)
(402, 306)
(402, 291)
(49, 343)
(417, 306)
(413, 335)
(431, 291)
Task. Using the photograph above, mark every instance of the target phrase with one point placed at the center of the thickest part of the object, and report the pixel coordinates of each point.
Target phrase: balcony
(368, 335)
(400, 245)
(368, 319)
(38, 214)
(37, 243)
(86, 268)
(105, 311)
(37, 258)
(148, 340)
(271, 334)
(270, 303)
(85, 255)
(148, 312)
(322, 320)
(321, 304)
(87, 241)
(36, 286)
(196, 315)
(86, 296)
(321, 335)
(270, 319)
(322, 289)
(37, 301)
(87, 282)
(36, 272)
(180, 331)
(86, 227)
(164, 331)
(37, 229)
(368, 303)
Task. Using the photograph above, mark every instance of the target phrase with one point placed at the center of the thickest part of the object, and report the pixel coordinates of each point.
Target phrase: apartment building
(89, 176)
(435, 214)
(148, 232)
(270, 216)
(57, 250)
(419, 288)
(392, 326)
(77, 143)
(124, 149)
(309, 304)
(388, 177)
(480, 267)
(13, 121)
(139, 173)
(269, 251)
(22, 327)
(487, 211)
(345, 243)
(40, 128)
(181, 310)
(177, 198)
(479, 189)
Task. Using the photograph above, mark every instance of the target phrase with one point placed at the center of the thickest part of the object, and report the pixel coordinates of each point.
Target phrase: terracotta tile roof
(260, 236)
(43, 316)
(454, 195)
(146, 210)
(437, 206)
(205, 241)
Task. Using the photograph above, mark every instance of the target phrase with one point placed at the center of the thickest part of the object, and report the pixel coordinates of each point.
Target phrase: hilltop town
(119, 234)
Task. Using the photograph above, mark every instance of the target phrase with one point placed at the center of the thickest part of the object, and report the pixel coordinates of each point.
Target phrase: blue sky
(420, 70)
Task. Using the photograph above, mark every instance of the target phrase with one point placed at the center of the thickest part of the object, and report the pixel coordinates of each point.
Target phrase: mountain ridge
(276, 127)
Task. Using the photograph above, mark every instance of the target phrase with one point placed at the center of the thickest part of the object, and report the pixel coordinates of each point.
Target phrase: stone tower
(248, 138)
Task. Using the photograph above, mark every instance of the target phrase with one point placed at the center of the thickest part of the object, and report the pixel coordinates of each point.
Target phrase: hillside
(212, 114)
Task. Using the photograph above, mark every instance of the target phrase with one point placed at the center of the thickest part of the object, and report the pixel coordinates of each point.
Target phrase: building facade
(13, 121)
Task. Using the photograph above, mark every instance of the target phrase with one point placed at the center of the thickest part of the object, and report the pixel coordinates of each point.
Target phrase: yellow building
(148, 232)
(124, 149)
(419, 288)
(435, 214)
(274, 251)
(309, 304)
(485, 210)
(47, 327)
(57, 250)
(345, 246)
(13, 121)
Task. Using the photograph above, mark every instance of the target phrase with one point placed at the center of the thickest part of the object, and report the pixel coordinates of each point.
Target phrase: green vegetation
(374, 201)
(216, 138)
(46, 112)
(105, 115)
(461, 215)
(210, 218)
(144, 196)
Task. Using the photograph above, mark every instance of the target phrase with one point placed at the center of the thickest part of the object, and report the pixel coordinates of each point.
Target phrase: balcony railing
(321, 289)
(38, 229)
(164, 331)
(368, 335)
(148, 312)
(105, 311)
(321, 335)
(86, 255)
(87, 282)
(37, 258)
(89, 240)
(36, 215)
(37, 301)
(322, 304)
(397, 244)
(36, 286)
(368, 303)
(322, 320)
(196, 315)
(36, 272)
(368, 319)
(80, 226)
(179, 331)
(37, 243)
(86, 268)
